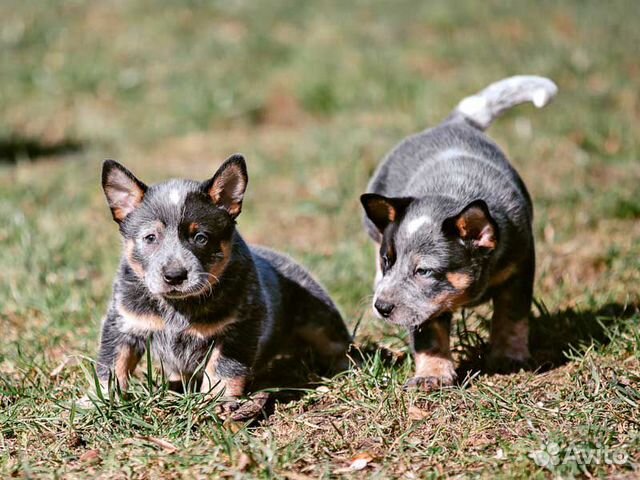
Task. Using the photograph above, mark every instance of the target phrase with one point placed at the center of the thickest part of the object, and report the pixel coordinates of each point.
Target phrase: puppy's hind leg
(325, 334)
(510, 324)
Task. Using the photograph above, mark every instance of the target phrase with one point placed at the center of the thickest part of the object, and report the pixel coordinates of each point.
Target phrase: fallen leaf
(90, 456)
(295, 476)
(416, 413)
(164, 444)
(232, 425)
(357, 463)
(243, 462)
(58, 370)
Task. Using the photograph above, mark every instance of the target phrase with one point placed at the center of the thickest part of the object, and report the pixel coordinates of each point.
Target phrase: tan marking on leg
(133, 263)
(437, 361)
(430, 365)
(205, 331)
(210, 381)
(459, 280)
(503, 275)
(125, 364)
(213, 384)
(174, 376)
(137, 323)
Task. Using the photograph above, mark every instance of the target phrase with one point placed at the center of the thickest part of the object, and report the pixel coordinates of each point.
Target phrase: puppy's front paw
(242, 410)
(432, 372)
(503, 365)
(224, 409)
(251, 408)
(429, 384)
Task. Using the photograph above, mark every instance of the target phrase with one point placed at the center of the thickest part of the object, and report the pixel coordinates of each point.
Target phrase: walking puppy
(452, 220)
(189, 284)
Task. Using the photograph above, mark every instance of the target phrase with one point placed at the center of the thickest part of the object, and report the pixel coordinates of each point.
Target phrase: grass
(314, 94)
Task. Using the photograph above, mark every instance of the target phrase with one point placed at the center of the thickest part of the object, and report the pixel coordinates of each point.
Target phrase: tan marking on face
(213, 384)
(193, 228)
(133, 263)
(450, 301)
(503, 275)
(459, 280)
(218, 268)
(125, 364)
(321, 342)
(204, 331)
(132, 322)
(430, 365)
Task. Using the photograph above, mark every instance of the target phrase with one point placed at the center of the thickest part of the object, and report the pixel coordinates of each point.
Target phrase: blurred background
(314, 94)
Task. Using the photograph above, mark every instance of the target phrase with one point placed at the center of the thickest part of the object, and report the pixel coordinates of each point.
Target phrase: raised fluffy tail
(484, 107)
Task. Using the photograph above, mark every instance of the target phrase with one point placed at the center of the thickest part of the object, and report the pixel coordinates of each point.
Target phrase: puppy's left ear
(474, 224)
(226, 188)
(384, 210)
(123, 190)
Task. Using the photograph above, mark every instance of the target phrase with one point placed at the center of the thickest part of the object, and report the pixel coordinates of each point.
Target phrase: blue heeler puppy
(189, 283)
(452, 220)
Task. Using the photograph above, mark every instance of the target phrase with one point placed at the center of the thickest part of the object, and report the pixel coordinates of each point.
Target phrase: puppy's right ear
(384, 210)
(123, 190)
(226, 188)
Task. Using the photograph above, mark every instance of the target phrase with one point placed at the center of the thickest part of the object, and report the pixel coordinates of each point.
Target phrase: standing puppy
(190, 285)
(452, 220)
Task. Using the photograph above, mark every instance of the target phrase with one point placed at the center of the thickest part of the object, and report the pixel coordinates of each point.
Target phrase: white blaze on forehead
(415, 224)
(174, 196)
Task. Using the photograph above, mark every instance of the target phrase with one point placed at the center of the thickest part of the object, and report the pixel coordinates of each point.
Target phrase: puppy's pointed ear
(123, 190)
(384, 210)
(226, 188)
(474, 224)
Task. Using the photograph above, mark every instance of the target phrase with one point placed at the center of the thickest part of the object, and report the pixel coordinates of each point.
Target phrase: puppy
(452, 221)
(211, 307)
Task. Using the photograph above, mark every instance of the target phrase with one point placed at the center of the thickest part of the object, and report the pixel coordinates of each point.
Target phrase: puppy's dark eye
(201, 239)
(151, 238)
(422, 272)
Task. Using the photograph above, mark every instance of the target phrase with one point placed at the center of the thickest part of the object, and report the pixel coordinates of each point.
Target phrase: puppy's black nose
(384, 308)
(174, 275)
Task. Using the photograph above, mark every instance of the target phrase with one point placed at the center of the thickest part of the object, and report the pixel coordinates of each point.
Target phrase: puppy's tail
(484, 107)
